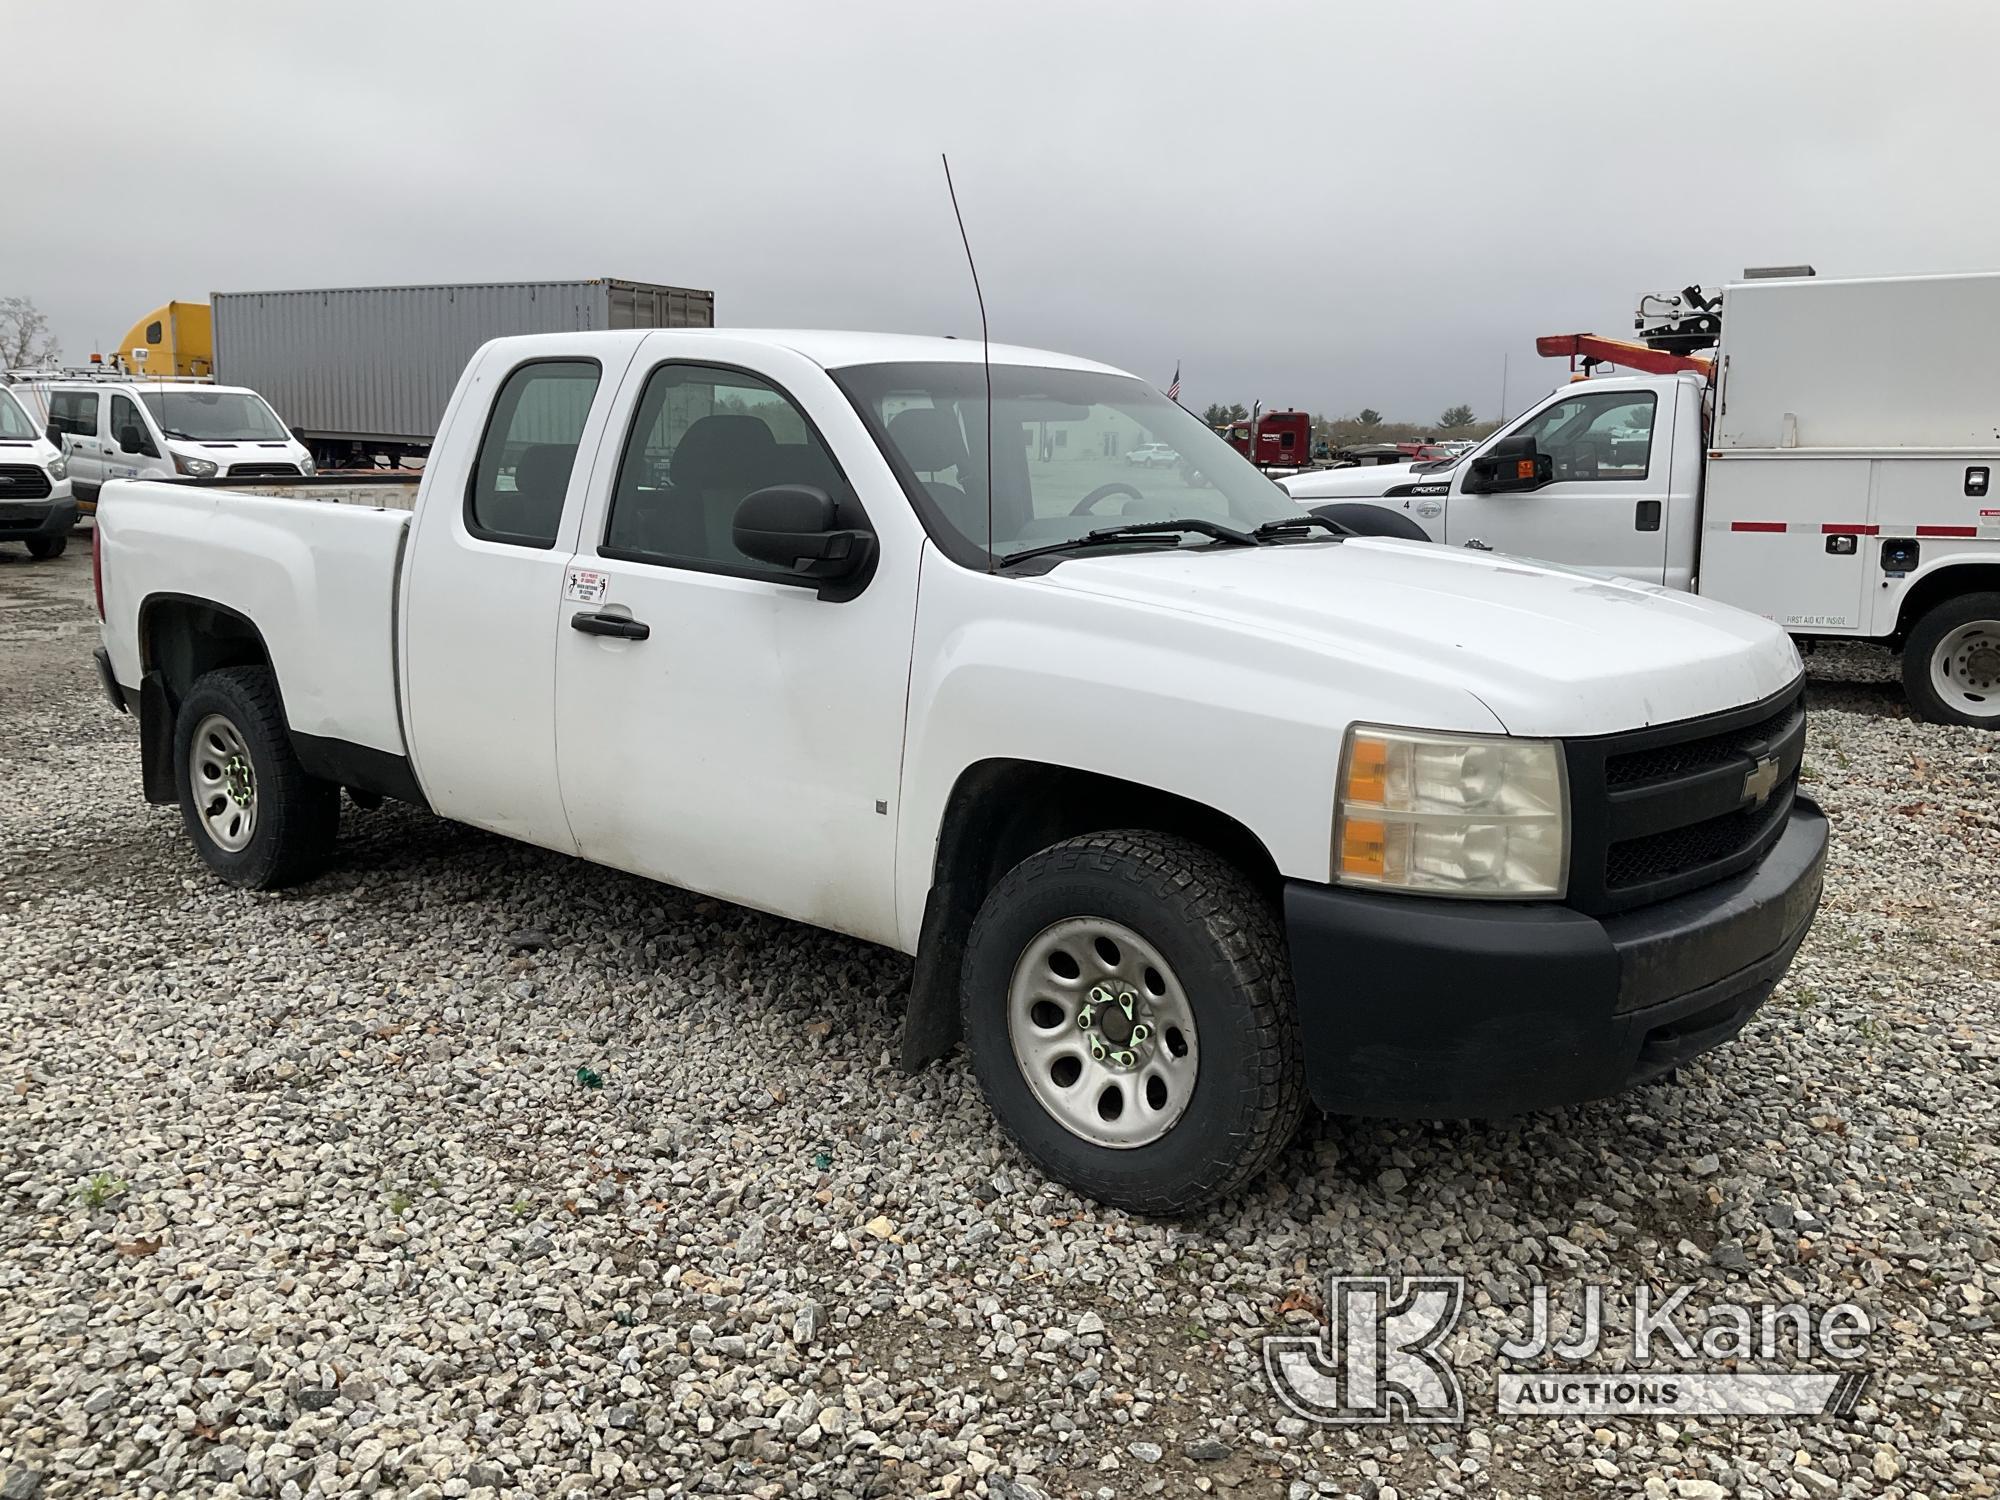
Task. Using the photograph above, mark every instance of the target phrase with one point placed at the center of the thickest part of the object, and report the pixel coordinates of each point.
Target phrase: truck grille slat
(23, 482)
(1656, 812)
(263, 471)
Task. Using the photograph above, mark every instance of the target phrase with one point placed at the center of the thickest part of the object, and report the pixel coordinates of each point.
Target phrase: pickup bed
(1189, 807)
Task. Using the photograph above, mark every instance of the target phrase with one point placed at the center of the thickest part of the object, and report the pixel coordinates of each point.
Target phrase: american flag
(1174, 390)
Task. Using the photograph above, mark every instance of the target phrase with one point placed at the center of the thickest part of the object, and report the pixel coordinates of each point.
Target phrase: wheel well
(1002, 811)
(1947, 583)
(181, 638)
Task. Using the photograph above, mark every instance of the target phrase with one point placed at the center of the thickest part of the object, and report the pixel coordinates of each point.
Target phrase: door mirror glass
(54, 435)
(132, 440)
(796, 527)
(1510, 465)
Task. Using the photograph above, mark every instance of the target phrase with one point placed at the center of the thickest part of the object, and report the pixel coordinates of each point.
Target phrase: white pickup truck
(1188, 807)
(1830, 468)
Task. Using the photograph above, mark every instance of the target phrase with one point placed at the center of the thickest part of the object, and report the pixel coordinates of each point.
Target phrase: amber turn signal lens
(1363, 847)
(1368, 772)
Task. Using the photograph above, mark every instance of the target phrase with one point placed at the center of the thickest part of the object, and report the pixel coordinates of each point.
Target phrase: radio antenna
(985, 351)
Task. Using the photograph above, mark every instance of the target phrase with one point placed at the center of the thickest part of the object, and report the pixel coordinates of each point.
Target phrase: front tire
(1951, 663)
(254, 814)
(42, 548)
(1128, 1007)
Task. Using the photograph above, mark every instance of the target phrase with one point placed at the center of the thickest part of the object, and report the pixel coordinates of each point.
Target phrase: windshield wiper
(1270, 531)
(1139, 531)
(175, 432)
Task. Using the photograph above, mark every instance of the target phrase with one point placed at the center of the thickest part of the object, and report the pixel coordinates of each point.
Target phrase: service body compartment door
(1790, 538)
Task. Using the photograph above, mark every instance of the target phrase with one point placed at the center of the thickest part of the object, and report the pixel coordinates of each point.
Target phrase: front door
(127, 441)
(1606, 508)
(735, 734)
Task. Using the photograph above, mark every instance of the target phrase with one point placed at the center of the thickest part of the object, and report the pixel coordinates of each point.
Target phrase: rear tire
(1215, 1089)
(1951, 663)
(42, 548)
(254, 814)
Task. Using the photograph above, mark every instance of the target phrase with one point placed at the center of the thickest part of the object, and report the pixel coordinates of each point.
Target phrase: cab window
(126, 423)
(702, 439)
(1596, 435)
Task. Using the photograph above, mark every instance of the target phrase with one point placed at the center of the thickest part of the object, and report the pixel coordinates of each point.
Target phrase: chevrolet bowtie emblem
(1761, 781)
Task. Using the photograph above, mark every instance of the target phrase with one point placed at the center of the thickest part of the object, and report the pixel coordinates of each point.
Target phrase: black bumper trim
(1416, 1008)
(109, 680)
(58, 518)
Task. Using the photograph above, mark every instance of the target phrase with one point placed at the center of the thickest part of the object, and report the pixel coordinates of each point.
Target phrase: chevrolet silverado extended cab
(1188, 806)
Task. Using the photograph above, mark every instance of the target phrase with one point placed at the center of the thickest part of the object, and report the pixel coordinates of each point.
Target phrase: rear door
(1606, 509)
(749, 745)
(493, 536)
(76, 415)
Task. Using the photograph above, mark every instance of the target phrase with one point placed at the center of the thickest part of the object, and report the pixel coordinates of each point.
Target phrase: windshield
(14, 422)
(214, 416)
(1073, 451)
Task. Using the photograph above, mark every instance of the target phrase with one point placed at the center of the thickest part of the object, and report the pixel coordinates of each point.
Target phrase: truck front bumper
(21, 519)
(1418, 1008)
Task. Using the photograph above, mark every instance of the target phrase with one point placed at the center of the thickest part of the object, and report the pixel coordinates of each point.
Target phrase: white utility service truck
(1830, 467)
(1187, 805)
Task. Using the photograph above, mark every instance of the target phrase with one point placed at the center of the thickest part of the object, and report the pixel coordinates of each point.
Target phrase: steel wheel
(223, 782)
(1102, 1032)
(1965, 668)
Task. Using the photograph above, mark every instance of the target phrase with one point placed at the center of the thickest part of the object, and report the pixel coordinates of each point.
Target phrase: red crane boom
(1593, 349)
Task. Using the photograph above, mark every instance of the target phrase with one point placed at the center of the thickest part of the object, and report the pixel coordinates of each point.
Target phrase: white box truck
(1829, 467)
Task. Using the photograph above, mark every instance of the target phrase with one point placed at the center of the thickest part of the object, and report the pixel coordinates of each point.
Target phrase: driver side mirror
(797, 528)
(54, 435)
(132, 439)
(1512, 464)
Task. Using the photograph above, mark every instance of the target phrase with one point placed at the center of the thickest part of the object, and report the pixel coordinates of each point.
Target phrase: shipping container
(364, 372)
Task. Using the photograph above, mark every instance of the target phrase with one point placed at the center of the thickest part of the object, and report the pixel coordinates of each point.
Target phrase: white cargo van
(1830, 467)
(157, 429)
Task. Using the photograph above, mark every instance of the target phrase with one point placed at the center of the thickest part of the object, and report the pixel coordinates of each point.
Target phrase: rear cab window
(521, 475)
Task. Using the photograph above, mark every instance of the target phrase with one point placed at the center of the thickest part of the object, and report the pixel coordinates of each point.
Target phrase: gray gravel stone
(374, 1237)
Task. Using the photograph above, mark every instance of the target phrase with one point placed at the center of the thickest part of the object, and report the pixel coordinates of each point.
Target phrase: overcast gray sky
(1322, 205)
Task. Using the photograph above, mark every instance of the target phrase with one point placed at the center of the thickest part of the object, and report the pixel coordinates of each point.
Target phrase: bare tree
(25, 340)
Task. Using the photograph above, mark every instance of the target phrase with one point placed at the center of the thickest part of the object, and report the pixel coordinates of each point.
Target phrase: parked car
(36, 506)
(1187, 816)
(117, 428)
(1152, 456)
(1837, 478)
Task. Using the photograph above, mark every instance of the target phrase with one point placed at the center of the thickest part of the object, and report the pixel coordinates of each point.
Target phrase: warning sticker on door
(586, 586)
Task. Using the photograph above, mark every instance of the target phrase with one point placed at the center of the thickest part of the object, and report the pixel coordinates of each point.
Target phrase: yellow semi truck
(177, 339)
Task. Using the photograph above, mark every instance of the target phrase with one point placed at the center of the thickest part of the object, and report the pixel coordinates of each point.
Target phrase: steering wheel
(1104, 492)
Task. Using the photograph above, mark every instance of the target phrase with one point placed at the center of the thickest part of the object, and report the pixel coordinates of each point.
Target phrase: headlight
(1451, 815)
(195, 468)
(308, 467)
(59, 469)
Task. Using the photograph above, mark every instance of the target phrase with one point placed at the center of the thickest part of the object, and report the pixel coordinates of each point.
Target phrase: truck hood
(1362, 481)
(1550, 651)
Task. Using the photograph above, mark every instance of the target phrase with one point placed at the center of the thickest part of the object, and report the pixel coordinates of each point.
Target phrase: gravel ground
(471, 1170)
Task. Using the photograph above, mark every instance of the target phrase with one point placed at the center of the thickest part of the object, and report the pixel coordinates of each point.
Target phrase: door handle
(1476, 545)
(1646, 517)
(623, 628)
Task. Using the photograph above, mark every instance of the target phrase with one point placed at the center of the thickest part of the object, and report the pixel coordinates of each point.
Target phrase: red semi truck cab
(1284, 440)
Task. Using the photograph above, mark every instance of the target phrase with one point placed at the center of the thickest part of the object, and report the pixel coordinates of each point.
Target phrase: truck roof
(831, 349)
